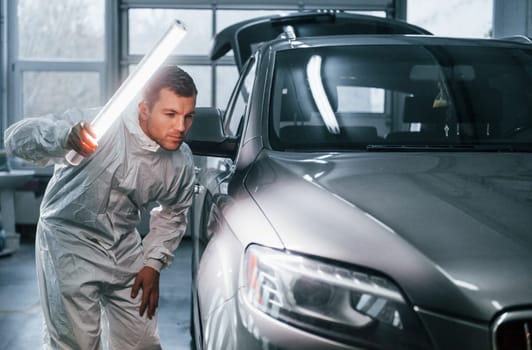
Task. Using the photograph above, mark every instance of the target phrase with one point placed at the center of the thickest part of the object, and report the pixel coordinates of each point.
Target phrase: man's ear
(143, 110)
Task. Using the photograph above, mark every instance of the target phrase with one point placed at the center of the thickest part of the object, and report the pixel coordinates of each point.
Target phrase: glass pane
(55, 92)
(239, 104)
(71, 29)
(226, 77)
(202, 78)
(456, 18)
(146, 26)
(225, 18)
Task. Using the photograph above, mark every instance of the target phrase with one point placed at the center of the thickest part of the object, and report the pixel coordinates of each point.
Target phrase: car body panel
(443, 218)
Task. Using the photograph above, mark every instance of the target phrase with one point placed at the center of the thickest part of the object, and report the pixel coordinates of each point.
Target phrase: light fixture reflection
(133, 84)
(319, 95)
(496, 304)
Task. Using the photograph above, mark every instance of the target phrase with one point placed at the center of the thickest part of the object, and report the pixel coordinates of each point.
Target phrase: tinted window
(239, 102)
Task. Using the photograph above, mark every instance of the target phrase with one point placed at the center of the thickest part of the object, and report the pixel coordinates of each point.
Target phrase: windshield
(396, 96)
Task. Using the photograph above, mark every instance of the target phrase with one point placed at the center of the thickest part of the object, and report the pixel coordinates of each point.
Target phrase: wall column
(512, 18)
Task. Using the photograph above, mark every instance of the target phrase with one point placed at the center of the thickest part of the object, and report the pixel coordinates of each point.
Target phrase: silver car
(365, 191)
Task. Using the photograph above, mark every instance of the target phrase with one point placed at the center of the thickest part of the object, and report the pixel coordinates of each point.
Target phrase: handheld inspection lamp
(133, 84)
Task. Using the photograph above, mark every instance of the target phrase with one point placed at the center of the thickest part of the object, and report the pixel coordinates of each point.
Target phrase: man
(90, 258)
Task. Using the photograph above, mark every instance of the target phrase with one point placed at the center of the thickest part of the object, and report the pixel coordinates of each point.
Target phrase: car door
(213, 173)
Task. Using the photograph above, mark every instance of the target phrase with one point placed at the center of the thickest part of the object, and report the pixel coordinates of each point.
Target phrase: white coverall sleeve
(42, 140)
(168, 223)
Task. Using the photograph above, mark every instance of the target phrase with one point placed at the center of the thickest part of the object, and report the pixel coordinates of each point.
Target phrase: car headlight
(353, 306)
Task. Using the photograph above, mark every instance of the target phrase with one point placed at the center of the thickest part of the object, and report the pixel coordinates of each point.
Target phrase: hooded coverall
(88, 251)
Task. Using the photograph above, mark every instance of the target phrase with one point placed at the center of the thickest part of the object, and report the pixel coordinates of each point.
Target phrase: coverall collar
(132, 124)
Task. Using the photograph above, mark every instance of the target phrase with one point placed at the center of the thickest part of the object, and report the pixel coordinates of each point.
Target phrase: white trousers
(78, 283)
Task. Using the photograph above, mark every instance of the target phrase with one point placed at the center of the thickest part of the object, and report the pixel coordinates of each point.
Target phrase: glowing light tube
(133, 84)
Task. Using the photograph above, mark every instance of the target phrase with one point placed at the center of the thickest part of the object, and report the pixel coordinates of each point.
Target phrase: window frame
(3, 67)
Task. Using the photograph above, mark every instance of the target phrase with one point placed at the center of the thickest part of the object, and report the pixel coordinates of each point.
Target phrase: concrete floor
(21, 316)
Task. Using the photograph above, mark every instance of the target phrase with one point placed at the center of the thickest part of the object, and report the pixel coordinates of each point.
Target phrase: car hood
(453, 230)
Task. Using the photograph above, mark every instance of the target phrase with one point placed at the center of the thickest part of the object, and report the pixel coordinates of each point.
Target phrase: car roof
(244, 36)
(370, 39)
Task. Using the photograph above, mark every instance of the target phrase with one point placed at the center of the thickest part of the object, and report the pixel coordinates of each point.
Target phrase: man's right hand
(82, 139)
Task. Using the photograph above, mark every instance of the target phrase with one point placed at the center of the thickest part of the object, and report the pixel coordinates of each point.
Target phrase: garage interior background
(57, 52)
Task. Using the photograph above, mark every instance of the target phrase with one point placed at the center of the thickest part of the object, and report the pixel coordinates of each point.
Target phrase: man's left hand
(82, 139)
(148, 280)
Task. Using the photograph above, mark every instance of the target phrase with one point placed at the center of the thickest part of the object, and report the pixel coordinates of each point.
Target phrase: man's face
(169, 120)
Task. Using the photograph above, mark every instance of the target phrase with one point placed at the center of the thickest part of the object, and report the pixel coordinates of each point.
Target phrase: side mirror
(206, 136)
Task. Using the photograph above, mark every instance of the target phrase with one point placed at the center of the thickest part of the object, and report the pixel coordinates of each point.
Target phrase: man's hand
(148, 280)
(82, 139)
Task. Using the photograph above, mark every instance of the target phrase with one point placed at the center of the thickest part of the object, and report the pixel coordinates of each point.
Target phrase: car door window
(239, 101)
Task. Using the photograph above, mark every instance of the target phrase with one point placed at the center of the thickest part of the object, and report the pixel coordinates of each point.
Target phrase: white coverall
(88, 250)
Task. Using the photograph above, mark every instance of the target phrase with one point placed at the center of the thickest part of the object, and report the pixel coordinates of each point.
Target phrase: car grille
(512, 331)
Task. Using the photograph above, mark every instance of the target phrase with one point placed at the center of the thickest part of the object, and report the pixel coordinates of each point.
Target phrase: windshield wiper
(452, 148)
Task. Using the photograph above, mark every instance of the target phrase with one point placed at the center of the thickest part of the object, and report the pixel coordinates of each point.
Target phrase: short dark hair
(173, 78)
